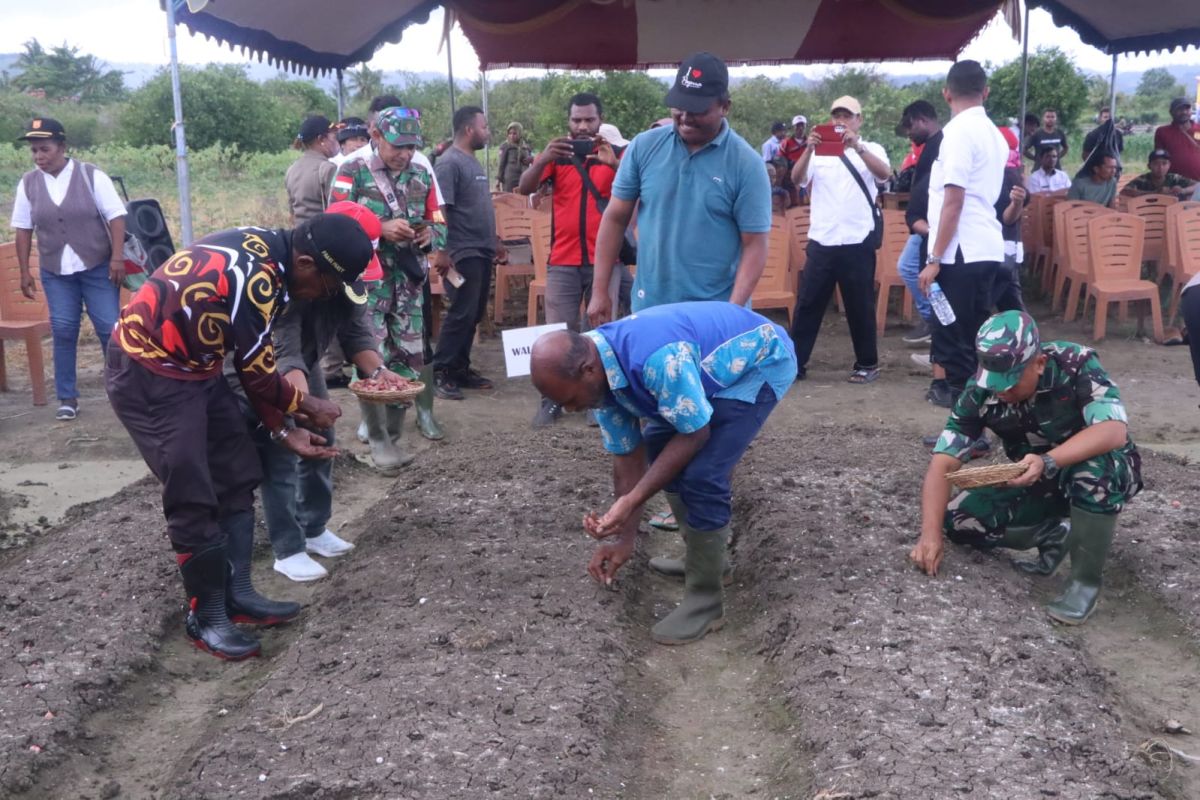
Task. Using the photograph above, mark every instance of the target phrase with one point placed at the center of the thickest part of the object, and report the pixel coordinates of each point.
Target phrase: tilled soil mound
(462, 651)
(907, 686)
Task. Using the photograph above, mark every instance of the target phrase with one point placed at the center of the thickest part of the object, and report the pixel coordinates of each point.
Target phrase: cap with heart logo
(700, 80)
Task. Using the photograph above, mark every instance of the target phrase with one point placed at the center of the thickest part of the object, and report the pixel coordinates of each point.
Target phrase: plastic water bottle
(941, 306)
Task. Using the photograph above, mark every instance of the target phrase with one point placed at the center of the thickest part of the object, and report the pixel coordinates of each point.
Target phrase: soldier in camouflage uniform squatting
(400, 193)
(1056, 411)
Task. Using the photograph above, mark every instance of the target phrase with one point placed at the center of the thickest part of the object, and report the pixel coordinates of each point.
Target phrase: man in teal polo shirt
(703, 200)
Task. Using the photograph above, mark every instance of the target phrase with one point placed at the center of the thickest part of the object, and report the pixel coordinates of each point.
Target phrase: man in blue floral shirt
(679, 391)
(1057, 412)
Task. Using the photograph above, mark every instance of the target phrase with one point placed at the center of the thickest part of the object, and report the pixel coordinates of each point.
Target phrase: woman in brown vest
(77, 215)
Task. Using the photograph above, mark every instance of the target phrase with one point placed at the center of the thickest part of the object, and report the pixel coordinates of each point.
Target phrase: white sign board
(518, 343)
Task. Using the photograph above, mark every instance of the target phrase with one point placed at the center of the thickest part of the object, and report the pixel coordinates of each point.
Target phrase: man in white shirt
(843, 190)
(1048, 177)
(966, 243)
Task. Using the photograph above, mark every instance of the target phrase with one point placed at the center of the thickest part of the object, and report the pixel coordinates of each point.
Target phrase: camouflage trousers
(398, 322)
(1100, 485)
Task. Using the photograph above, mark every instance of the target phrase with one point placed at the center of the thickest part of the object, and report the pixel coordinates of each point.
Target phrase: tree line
(223, 106)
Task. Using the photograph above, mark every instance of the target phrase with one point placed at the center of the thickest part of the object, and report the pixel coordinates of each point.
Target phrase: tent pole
(1112, 92)
(450, 78)
(181, 159)
(487, 148)
(341, 95)
(1024, 78)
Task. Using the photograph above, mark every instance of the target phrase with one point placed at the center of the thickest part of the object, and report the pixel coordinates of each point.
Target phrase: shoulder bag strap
(389, 194)
(601, 203)
(861, 184)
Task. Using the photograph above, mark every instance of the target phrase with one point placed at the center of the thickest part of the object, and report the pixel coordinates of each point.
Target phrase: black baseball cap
(313, 126)
(1157, 154)
(1179, 102)
(340, 247)
(700, 79)
(778, 126)
(40, 128)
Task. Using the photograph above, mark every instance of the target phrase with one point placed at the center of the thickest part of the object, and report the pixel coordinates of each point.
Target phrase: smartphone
(831, 140)
(582, 147)
(455, 278)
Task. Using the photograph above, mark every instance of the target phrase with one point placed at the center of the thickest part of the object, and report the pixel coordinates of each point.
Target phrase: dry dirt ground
(461, 651)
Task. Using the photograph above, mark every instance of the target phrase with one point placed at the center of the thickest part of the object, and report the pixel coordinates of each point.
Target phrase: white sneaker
(329, 544)
(300, 567)
(921, 359)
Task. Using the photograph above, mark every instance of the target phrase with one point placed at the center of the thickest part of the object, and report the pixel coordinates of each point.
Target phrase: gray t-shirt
(467, 205)
(1087, 189)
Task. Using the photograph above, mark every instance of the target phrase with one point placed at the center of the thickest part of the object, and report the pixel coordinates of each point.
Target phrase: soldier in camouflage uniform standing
(400, 192)
(1056, 411)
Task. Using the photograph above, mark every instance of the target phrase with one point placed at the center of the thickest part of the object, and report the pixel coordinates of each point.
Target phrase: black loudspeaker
(145, 220)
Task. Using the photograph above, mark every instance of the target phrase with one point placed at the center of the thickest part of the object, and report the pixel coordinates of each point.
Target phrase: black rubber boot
(243, 603)
(1091, 537)
(703, 607)
(673, 567)
(208, 626)
(1049, 537)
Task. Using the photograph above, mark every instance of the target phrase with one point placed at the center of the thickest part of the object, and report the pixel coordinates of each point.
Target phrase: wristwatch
(1049, 468)
(932, 259)
(281, 434)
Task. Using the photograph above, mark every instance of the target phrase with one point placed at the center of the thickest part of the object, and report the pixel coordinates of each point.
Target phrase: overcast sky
(135, 31)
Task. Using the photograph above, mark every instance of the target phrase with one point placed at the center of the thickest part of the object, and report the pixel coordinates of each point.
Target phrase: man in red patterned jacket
(163, 376)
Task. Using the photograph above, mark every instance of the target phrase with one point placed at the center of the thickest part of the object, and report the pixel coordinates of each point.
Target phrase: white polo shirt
(108, 205)
(972, 157)
(840, 213)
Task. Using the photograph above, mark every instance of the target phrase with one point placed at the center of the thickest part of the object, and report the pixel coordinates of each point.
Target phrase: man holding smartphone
(580, 168)
(841, 173)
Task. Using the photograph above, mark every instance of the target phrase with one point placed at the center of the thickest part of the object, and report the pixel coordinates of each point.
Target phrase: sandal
(66, 413)
(664, 521)
(863, 375)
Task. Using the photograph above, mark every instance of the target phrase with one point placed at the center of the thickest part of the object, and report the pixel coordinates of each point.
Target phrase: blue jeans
(705, 484)
(909, 267)
(67, 296)
(297, 493)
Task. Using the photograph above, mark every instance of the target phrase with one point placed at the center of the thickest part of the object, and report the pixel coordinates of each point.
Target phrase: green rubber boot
(1091, 537)
(703, 606)
(427, 426)
(673, 567)
(1048, 536)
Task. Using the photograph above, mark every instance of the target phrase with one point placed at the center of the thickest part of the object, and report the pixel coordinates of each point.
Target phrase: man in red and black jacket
(163, 376)
(580, 168)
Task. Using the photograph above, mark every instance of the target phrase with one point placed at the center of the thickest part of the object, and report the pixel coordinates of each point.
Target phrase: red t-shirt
(792, 148)
(575, 210)
(1184, 149)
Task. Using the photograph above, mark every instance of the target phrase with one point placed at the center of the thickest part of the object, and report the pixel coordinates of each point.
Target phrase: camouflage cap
(1005, 344)
(400, 126)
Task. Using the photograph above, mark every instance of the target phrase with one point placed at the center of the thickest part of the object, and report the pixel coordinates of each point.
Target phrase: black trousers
(970, 288)
(468, 304)
(1007, 287)
(194, 439)
(850, 267)
(1191, 318)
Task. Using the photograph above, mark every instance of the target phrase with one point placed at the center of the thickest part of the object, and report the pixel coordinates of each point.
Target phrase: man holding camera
(580, 167)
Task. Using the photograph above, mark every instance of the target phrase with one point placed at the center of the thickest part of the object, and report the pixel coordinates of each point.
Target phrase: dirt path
(705, 720)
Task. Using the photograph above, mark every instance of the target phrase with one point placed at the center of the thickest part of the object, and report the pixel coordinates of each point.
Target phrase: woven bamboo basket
(405, 395)
(991, 475)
